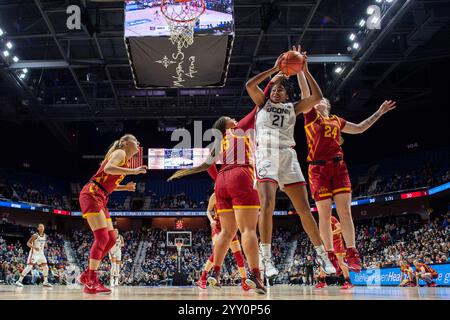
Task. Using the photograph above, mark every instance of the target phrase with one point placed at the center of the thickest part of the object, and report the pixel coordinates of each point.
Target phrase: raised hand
(278, 62)
(280, 75)
(387, 106)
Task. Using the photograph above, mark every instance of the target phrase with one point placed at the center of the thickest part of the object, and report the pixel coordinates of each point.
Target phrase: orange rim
(164, 2)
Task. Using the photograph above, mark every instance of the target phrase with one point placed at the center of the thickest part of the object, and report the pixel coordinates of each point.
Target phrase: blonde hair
(118, 144)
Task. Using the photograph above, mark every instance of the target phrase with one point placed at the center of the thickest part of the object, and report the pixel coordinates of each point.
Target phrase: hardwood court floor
(279, 292)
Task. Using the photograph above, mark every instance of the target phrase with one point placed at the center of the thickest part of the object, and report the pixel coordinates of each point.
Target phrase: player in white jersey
(276, 160)
(37, 243)
(115, 255)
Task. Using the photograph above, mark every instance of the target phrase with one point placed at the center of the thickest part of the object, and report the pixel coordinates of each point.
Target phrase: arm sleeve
(342, 122)
(248, 121)
(310, 116)
(212, 171)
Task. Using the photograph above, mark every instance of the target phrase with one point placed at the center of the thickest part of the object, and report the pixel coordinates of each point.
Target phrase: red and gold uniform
(428, 269)
(215, 231)
(235, 180)
(94, 198)
(406, 269)
(338, 240)
(328, 174)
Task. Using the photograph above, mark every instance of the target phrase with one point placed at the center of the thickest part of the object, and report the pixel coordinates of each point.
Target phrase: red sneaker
(347, 285)
(245, 286)
(84, 277)
(334, 260)
(202, 283)
(95, 287)
(352, 260)
(320, 285)
(432, 284)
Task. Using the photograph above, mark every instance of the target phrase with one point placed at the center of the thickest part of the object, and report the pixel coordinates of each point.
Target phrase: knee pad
(101, 238)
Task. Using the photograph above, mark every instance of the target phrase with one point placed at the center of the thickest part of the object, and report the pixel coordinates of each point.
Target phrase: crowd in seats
(425, 177)
(82, 240)
(384, 243)
(14, 255)
(28, 193)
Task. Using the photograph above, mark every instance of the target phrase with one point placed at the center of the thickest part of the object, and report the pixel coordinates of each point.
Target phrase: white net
(181, 16)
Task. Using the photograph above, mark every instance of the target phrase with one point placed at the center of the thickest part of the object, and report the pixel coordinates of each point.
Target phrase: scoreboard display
(170, 159)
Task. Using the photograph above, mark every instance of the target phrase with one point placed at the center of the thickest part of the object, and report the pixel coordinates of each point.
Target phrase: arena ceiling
(84, 75)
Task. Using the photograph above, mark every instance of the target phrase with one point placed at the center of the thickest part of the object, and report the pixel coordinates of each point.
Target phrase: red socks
(101, 238)
(211, 258)
(217, 269)
(238, 256)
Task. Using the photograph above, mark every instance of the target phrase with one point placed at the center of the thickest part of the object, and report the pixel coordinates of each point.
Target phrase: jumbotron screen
(169, 159)
(144, 18)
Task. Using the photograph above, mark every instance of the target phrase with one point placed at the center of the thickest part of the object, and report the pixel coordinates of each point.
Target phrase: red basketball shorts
(234, 190)
(93, 202)
(329, 179)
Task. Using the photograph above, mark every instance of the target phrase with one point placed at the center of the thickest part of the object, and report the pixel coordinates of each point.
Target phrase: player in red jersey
(234, 246)
(237, 200)
(328, 174)
(425, 273)
(93, 201)
(339, 250)
(407, 271)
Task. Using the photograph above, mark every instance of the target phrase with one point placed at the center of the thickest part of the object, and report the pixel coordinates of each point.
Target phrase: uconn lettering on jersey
(276, 110)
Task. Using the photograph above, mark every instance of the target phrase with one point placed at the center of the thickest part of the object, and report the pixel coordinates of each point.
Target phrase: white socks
(266, 251)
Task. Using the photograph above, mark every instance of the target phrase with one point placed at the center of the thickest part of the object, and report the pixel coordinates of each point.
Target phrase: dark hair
(288, 86)
(221, 125)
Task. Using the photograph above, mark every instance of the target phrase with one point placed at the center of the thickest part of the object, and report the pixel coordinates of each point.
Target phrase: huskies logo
(262, 167)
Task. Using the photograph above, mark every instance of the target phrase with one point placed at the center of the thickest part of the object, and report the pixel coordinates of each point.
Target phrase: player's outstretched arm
(353, 128)
(113, 166)
(301, 78)
(252, 85)
(130, 186)
(305, 105)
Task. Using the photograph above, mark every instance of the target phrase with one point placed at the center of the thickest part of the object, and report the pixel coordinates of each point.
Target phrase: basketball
(292, 63)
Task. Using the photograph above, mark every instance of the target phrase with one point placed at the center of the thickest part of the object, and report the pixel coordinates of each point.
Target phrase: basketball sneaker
(214, 280)
(244, 285)
(254, 282)
(320, 285)
(352, 260)
(18, 284)
(269, 268)
(432, 284)
(325, 263)
(347, 285)
(334, 261)
(95, 288)
(112, 283)
(202, 283)
(116, 283)
(84, 277)
(46, 284)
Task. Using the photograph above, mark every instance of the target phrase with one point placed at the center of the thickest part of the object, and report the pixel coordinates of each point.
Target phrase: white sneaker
(269, 268)
(325, 263)
(18, 284)
(117, 282)
(46, 284)
(112, 283)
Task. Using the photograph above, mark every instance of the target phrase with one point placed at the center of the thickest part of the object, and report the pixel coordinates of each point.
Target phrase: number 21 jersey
(275, 124)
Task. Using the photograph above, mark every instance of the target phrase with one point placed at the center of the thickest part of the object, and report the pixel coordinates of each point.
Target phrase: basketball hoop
(181, 16)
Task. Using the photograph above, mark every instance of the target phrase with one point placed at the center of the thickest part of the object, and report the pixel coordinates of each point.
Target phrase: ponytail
(116, 145)
(221, 125)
